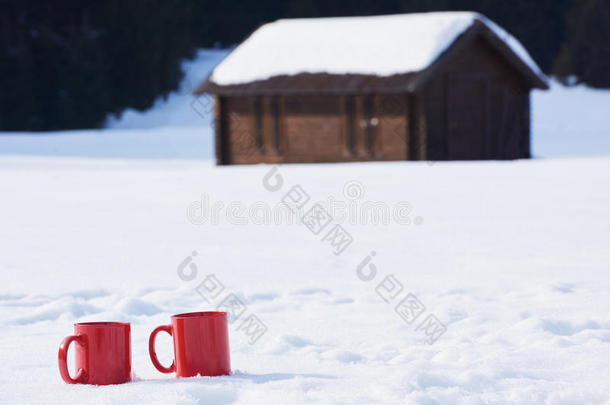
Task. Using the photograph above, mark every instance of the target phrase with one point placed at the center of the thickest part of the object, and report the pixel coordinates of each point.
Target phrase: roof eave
(479, 28)
(313, 83)
(414, 81)
(537, 79)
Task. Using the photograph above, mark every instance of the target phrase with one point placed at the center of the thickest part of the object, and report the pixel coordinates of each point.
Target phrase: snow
(512, 257)
(518, 274)
(570, 121)
(159, 143)
(515, 46)
(175, 110)
(379, 45)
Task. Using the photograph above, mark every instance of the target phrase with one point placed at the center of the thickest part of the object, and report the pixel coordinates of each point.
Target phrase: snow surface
(515, 264)
(175, 110)
(570, 121)
(379, 45)
(511, 256)
(188, 142)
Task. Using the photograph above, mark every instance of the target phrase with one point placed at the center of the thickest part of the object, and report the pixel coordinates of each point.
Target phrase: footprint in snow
(311, 291)
(344, 356)
(135, 306)
(52, 310)
(287, 343)
(565, 328)
(262, 297)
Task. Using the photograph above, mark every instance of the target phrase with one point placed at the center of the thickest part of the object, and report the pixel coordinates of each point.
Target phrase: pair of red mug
(103, 349)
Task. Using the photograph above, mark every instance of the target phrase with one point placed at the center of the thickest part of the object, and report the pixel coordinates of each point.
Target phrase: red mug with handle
(102, 353)
(201, 345)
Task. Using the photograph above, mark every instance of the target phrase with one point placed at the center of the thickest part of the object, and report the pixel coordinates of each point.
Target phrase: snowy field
(512, 257)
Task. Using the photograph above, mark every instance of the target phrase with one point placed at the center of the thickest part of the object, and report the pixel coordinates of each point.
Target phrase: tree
(586, 53)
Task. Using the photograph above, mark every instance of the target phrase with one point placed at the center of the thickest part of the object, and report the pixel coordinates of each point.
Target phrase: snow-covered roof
(378, 45)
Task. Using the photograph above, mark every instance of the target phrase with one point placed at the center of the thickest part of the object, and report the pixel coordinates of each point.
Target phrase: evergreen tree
(69, 63)
(586, 53)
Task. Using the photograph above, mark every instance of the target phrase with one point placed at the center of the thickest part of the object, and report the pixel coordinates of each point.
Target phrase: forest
(67, 64)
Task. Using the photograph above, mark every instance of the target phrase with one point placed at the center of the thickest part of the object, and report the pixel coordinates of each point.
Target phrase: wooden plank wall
(506, 110)
(314, 128)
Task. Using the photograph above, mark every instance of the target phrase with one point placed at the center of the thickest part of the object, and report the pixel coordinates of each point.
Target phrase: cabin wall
(239, 129)
(312, 128)
(416, 140)
(505, 112)
(392, 114)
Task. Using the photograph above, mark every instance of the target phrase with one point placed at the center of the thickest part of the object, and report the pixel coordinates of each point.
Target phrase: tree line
(69, 63)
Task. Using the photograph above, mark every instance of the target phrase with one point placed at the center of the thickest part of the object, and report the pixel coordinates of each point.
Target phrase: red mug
(102, 353)
(201, 345)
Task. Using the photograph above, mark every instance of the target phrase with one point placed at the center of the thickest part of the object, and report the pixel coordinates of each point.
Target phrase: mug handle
(153, 354)
(62, 356)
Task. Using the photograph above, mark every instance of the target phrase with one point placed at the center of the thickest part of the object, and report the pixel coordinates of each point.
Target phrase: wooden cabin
(428, 86)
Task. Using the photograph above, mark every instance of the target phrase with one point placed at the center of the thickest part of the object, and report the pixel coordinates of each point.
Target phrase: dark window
(258, 123)
(350, 128)
(275, 124)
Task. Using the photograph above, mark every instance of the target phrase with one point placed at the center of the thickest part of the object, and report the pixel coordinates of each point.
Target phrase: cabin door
(466, 111)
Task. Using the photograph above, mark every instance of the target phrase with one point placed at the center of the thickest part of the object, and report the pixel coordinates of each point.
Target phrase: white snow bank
(570, 121)
(379, 45)
(194, 142)
(177, 109)
(515, 264)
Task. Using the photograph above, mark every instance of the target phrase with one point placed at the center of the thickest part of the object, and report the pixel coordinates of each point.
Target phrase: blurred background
(74, 64)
